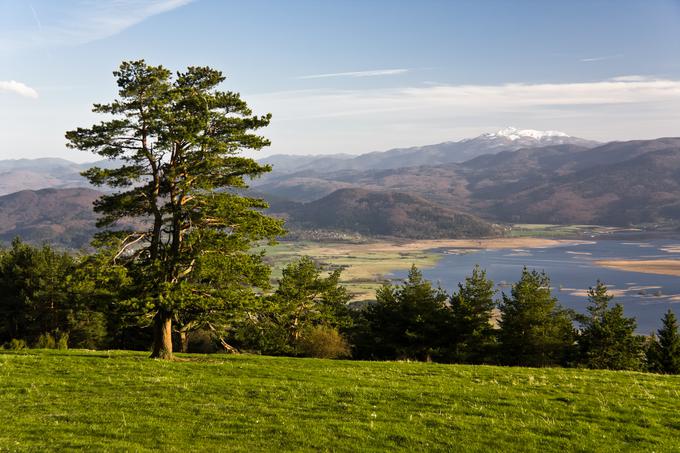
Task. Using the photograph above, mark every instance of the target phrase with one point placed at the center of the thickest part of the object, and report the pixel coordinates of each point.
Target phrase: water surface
(572, 270)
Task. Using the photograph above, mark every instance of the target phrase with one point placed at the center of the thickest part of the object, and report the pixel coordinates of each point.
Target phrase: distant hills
(567, 181)
(618, 183)
(381, 213)
(509, 139)
(62, 217)
(35, 174)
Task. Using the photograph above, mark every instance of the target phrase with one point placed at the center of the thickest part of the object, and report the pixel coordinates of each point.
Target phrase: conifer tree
(407, 321)
(665, 351)
(175, 143)
(535, 330)
(471, 331)
(607, 338)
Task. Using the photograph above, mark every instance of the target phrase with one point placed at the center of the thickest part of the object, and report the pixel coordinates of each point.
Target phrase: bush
(49, 341)
(202, 341)
(62, 341)
(45, 341)
(16, 345)
(324, 343)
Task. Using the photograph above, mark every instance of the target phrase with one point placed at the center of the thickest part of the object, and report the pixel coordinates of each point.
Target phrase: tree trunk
(162, 335)
(184, 341)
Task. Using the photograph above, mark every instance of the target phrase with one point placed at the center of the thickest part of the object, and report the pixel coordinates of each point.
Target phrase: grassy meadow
(54, 400)
(364, 265)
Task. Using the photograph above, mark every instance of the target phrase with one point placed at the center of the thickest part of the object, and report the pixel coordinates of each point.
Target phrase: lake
(572, 270)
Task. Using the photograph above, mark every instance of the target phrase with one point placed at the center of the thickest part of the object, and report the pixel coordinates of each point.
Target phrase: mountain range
(452, 189)
(508, 139)
(618, 183)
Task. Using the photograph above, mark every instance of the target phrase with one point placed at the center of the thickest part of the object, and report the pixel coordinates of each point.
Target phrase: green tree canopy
(40, 296)
(535, 330)
(472, 334)
(607, 338)
(175, 143)
(407, 321)
(664, 354)
(305, 298)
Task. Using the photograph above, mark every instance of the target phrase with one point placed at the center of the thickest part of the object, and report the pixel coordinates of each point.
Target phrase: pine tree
(177, 172)
(535, 330)
(408, 321)
(306, 297)
(607, 338)
(471, 332)
(665, 351)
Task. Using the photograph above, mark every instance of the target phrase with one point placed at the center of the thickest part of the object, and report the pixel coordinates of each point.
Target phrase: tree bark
(162, 336)
(184, 341)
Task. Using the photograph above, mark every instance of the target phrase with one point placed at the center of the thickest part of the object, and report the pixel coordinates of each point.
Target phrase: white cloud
(19, 88)
(468, 98)
(359, 120)
(355, 74)
(602, 58)
(83, 21)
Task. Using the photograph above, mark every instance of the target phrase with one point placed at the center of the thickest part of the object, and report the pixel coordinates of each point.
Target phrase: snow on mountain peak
(513, 134)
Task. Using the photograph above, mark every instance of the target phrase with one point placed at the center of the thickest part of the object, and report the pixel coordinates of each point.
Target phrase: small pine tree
(406, 322)
(535, 330)
(665, 351)
(608, 338)
(472, 334)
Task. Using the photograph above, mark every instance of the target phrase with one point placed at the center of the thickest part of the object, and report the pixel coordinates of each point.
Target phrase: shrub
(324, 343)
(16, 345)
(62, 341)
(52, 341)
(45, 341)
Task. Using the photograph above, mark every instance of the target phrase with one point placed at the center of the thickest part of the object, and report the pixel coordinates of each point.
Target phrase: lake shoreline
(657, 266)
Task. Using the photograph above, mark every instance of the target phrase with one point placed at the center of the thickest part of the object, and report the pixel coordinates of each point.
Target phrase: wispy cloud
(619, 108)
(82, 21)
(602, 58)
(12, 86)
(355, 74)
(464, 98)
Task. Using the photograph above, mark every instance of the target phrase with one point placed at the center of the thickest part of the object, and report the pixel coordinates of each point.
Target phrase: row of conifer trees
(50, 298)
(415, 320)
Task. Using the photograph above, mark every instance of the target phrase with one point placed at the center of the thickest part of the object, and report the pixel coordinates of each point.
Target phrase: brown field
(662, 267)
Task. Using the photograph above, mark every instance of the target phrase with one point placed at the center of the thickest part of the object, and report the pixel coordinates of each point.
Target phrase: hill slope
(381, 213)
(619, 183)
(61, 217)
(35, 174)
(114, 400)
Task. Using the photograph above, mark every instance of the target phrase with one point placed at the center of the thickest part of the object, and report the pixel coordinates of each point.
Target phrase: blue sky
(354, 76)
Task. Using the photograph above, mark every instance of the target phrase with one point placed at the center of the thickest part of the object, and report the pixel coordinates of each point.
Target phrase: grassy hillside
(123, 401)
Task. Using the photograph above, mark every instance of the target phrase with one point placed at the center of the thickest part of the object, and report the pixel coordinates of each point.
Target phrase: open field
(555, 231)
(366, 264)
(123, 401)
(662, 266)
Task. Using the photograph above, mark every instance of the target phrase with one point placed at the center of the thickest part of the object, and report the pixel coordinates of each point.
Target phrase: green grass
(123, 401)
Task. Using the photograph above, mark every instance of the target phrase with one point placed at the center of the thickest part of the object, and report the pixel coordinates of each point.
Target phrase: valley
(641, 274)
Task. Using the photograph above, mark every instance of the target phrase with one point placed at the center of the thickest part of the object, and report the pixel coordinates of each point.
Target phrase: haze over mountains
(508, 139)
(452, 189)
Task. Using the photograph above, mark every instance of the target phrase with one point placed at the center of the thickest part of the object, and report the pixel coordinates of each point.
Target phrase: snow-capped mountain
(512, 139)
(508, 139)
(513, 133)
